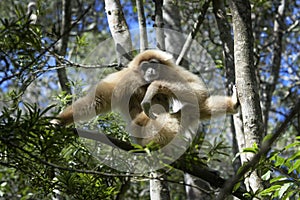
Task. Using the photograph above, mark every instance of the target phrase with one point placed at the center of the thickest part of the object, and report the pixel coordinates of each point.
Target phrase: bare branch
(62, 44)
(192, 35)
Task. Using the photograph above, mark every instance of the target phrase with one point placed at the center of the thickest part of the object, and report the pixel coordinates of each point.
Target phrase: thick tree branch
(246, 83)
(194, 167)
(238, 139)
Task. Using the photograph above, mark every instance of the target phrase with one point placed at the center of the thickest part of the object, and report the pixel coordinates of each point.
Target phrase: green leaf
(278, 179)
(268, 191)
(292, 145)
(250, 150)
(283, 189)
(267, 175)
(294, 156)
(279, 161)
(236, 186)
(295, 167)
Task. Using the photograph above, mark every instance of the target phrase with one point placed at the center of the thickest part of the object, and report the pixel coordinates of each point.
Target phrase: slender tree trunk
(62, 45)
(158, 188)
(159, 25)
(276, 62)
(119, 30)
(188, 42)
(246, 81)
(142, 25)
(174, 39)
(236, 124)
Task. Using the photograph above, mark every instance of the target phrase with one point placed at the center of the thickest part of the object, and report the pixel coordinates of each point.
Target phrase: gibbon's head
(152, 55)
(150, 70)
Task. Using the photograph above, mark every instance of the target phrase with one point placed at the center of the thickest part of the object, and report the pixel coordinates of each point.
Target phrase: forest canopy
(53, 52)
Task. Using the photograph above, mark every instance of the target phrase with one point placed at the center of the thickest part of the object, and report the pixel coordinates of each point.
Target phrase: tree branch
(265, 148)
(194, 166)
(62, 44)
(193, 33)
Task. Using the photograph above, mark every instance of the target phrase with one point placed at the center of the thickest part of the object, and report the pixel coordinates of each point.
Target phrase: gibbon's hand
(148, 109)
(146, 105)
(234, 97)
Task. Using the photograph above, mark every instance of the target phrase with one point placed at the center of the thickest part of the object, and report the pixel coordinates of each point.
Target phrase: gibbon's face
(150, 70)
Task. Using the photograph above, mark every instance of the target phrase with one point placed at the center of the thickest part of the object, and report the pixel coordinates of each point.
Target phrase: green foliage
(42, 161)
(282, 172)
(81, 41)
(38, 162)
(215, 150)
(112, 124)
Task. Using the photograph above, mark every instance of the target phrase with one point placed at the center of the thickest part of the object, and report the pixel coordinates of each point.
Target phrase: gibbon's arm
(178, 92)
(215, 106)
(95, 102)
(209, 106)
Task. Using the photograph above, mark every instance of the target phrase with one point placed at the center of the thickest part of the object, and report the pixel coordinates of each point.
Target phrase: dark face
(150, 70)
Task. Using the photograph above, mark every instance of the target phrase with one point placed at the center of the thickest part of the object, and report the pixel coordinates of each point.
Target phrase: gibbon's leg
(219, 105)
(90, 105)
(160, 131)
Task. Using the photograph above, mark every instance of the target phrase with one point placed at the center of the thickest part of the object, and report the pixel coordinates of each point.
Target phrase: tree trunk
(236, 124)
(142, 25)
(119, 30)
(62, 45)
(158, 188)
(174, 39)
(159, 25)
(276, 62)
(247, 88)
(188, 42)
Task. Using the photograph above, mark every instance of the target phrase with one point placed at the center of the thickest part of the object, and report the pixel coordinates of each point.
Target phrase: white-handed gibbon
(151, 79)
(123, 90)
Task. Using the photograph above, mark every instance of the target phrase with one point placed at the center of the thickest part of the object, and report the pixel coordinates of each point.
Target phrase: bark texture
(238, 140)
(62, 44)
(119, 30)
(246, 83)
(142, 25)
